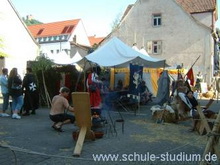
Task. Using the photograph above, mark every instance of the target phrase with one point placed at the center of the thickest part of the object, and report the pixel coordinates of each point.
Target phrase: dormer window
(67, 29)
(40, 31)
(70, 29)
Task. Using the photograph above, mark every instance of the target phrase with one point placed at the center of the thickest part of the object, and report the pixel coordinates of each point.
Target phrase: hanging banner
(136, 74)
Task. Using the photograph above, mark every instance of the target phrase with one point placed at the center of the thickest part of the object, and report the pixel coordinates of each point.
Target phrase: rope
(15, 157)
(13, 148)
(177, 148)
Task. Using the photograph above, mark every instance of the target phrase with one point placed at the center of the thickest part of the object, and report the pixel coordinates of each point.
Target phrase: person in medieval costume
(31, 94)
(199, 79)
(93, 87)
(216, 84)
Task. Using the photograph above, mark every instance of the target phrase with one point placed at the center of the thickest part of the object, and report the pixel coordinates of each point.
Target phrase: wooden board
(81, 104)
(80, 141)
(82, 108)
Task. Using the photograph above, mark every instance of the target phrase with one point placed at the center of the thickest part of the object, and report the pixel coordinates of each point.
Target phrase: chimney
(74, 38)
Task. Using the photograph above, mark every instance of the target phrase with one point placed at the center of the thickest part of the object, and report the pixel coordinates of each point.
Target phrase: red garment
(95, 97)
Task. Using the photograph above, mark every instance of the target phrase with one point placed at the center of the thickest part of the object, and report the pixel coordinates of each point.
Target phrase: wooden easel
(81, 103)
(213, 141)
(204, 121)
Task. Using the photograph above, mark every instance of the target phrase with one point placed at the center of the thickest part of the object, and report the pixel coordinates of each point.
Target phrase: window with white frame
(157, 20)
(154, 47)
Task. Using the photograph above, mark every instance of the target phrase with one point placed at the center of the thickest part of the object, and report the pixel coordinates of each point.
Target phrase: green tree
(40, 67)
(2, 54)
(31, 22)
(116, 22)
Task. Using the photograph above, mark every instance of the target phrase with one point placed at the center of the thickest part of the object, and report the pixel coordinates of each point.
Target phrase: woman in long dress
(93, 87)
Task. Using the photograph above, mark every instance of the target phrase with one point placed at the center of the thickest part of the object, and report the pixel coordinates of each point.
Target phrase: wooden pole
(48, 100)
(192, 66)
(213, 141)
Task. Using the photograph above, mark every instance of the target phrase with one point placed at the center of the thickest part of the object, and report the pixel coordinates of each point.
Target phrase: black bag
(92, 87)
(15, 85)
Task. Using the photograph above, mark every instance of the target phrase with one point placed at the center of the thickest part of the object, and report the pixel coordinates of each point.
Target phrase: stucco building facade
(174, 30)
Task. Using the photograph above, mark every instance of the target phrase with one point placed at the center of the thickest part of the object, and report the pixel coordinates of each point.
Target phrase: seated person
(59, 108)
(192, 103)
(119, 86)
(145, 94)
(181, 86)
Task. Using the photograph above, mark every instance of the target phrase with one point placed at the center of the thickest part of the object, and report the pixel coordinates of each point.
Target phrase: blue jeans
(5, 101)
(17, 103)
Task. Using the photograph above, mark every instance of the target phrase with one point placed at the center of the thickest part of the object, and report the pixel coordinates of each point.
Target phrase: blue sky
(97, 15)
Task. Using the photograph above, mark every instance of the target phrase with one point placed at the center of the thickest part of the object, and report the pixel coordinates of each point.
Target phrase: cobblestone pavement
(31, 140)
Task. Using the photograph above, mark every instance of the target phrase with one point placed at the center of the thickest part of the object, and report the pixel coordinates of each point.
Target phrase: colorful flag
(136, 74)
(190, 76)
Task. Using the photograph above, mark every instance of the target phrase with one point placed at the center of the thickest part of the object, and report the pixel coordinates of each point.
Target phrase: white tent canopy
(63, 58)
(143, 51)
(117, 53)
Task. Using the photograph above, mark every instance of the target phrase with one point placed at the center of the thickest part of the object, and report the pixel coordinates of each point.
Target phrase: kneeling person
(58, 112)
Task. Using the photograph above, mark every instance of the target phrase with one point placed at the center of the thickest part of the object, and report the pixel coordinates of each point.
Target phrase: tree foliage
(2, 54)
(116, 22)
(31, 22)
(49, 77)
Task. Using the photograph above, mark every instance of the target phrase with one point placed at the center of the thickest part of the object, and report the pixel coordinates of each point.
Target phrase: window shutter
(149, 47)
(159, 48)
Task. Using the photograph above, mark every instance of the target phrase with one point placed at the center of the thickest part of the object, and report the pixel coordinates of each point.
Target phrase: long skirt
(31, 100)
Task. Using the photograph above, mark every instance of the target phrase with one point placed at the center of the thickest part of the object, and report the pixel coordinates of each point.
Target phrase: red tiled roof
(197, 6)
(190, 6)
(54, 28)
(93, 40)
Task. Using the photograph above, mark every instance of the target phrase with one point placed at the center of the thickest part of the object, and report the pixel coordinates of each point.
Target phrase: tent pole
(114, 78)
(84, 75)
(77, 81)
(78, 78)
